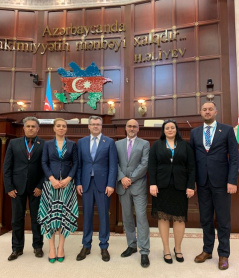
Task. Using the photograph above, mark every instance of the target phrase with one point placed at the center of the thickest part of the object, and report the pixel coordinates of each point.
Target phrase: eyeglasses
(132, 126)
(95, 124)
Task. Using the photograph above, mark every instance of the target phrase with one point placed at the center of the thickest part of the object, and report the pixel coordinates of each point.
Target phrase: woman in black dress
(172, 182)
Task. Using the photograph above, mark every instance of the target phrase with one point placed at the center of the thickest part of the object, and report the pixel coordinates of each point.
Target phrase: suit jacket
(182, 168)
(220, 163)
(104, 164)
(52, 165)
(135, 168)
(18, 171)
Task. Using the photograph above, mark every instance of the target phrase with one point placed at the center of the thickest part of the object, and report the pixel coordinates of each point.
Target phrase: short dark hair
(177, 136)
(95, 118)
(210, 101)
(30, 119)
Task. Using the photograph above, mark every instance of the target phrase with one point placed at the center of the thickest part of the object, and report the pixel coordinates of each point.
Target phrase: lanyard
(172, 150)
(29, 151)
(60, 151)
(208, 139)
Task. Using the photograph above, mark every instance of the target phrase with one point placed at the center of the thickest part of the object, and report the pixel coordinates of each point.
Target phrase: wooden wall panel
(111, 90)
(92, 17)
(24, 60)
(56, 19)
(112, 58)
(75, 17)
(7, 23)
(186, 77)
(6, 59)
(163, 107)
(4, 107)
(164, 80)
(143, 17)
(163, 14)
(189, 34)
(23, 90)
(143, 76)
(92, 56)
(112, 14)
(6, 79)
(209, 40)
(208, 10)
(185, 12)
(186, 106)
(26, 24)
(54, 59)
(73, 55)
(210, 69)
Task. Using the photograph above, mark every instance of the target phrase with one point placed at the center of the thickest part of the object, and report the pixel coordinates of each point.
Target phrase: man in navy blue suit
(216, 153)
(95, 180)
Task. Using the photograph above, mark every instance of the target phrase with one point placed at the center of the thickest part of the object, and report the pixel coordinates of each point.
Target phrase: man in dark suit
(95, 180)
(23, 178)
(216, 155)
(133, 154)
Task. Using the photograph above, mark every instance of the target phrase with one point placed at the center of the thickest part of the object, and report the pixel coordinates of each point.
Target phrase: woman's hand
(64, 182)
(154, 190)
(189, 192)
(55, 183)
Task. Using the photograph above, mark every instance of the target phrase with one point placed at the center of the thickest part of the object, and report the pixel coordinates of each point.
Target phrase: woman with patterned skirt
(58, 210)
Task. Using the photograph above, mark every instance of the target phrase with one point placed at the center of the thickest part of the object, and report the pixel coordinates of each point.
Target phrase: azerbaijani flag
(48, 106)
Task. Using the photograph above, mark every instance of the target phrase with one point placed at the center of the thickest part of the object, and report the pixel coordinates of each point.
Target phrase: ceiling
(59, 4)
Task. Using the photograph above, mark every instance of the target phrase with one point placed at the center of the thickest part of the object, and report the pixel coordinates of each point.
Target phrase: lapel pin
(103, 140)
(38, 142)
(220, 130)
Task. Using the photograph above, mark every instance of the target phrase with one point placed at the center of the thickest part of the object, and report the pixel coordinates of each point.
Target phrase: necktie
(94, 148)
(129, 148)
(29, 154)
(207, 137)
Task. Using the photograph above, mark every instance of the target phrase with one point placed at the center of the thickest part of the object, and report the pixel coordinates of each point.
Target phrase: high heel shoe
(51, 260)
(179, 259)
(60, 259)
(168, 261)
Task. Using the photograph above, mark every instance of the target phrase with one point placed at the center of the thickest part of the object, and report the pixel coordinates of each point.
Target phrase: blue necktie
(207, 138)
(94, 148)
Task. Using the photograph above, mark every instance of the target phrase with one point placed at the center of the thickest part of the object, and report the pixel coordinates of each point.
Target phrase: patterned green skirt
(58, 210)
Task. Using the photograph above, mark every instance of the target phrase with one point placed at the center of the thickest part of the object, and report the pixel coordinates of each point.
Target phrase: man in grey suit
(131, 187)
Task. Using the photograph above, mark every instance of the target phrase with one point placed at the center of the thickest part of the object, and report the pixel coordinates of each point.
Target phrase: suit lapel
(23, 147)
(217, 135)
(176, 150)
(136, 141)
(100, 146)
(124, 149)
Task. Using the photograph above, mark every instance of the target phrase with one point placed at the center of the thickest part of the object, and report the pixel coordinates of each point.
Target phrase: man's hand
(13, 193)
(37, 192)
(231, 188)
(79, 189)
(126, 182)
(109, 191)
(154, 190)
(189, 192)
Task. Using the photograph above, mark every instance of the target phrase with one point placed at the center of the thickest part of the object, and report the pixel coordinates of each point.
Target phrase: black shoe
(128, 252)
(38, 252)
(84, 251)
(145, 260)
(15, 255)
(105, 255)
(168, 261)
(179, 259)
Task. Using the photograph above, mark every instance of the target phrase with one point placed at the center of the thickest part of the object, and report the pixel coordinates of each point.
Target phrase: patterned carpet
(28, 265)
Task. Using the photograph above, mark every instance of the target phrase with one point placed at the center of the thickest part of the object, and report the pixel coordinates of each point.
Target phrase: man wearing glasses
(95, 180)
(133, 155)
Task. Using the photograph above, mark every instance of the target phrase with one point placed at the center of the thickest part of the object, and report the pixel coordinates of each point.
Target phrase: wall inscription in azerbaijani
(88, 42)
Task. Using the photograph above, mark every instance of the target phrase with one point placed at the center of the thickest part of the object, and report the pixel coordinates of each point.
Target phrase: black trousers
(215, 199)
(18, 220)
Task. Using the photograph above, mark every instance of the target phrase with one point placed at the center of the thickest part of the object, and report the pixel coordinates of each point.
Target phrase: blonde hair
(59, 119)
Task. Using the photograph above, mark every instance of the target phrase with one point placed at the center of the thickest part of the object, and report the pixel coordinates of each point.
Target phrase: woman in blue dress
(58, 210)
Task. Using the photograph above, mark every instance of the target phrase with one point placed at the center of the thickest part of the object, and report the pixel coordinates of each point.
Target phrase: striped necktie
(208, 137)
(129, 148)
